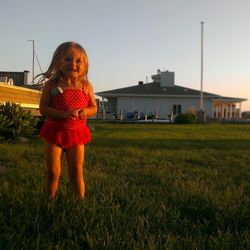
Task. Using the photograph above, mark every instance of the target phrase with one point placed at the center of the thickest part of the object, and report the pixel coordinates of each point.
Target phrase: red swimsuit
(67, 132)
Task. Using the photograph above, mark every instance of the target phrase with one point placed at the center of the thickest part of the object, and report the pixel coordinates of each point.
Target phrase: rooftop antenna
(33, 59)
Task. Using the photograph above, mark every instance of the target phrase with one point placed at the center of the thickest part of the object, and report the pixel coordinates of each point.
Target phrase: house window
(176, 109)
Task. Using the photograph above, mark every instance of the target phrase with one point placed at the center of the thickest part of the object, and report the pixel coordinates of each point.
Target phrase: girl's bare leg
(53, 161)
(75, 161)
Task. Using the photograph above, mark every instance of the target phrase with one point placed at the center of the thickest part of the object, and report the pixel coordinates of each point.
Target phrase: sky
(129, 40)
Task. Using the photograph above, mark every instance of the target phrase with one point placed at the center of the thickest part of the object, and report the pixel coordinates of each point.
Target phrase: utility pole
(33, 60)
(202, 111)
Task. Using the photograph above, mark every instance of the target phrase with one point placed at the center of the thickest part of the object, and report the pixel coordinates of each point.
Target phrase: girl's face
(73, 65)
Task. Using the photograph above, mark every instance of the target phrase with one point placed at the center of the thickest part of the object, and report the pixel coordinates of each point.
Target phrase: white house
(163, 97)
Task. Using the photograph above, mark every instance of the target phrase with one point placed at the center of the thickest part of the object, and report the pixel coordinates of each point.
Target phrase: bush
(16, 121)
(186, 118)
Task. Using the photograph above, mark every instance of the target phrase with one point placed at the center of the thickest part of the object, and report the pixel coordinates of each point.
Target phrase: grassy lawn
(148, 186)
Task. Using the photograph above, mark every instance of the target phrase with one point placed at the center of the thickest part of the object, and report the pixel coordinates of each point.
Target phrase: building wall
(19, 78)
(25, 97)
(164, 106)
(112, 105)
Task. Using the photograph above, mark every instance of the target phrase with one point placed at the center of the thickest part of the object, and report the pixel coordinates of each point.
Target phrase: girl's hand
(73, 114)
(82, 114)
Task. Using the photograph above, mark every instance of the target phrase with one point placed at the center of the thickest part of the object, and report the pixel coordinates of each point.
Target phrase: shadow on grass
(35, 221)
(220, 144)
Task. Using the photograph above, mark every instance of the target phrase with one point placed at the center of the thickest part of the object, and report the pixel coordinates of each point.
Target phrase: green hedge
(15, 121)
(185, 118)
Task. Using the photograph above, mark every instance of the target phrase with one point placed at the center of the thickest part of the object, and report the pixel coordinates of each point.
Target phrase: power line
(38, 62)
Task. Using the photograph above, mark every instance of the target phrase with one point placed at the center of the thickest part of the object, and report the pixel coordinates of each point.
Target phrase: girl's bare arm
(92, 108)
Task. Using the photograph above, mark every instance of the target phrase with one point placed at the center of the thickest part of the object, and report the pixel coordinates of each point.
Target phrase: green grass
(148, 186)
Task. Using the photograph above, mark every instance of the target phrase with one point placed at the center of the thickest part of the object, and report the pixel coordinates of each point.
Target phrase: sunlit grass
(147, 187)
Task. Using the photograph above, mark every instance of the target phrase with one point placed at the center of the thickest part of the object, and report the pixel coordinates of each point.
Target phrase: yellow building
(27, 98)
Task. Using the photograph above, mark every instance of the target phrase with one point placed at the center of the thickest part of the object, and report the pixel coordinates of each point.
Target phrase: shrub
(16, 121)
(186, 118)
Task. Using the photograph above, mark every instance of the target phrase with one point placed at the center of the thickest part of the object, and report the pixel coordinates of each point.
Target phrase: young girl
(67, 100)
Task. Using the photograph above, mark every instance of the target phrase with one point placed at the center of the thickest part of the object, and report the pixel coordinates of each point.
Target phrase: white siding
(164, 106)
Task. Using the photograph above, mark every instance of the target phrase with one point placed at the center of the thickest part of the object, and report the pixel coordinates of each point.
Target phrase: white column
(222, 111)
(216, 111)
(240, 110)
(227, 111)
(121, 114)
(230, 111)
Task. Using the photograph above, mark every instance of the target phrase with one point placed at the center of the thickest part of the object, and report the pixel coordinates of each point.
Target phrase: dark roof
(154, 88)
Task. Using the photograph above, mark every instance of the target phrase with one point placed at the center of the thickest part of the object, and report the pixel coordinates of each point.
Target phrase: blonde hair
(53, 73)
